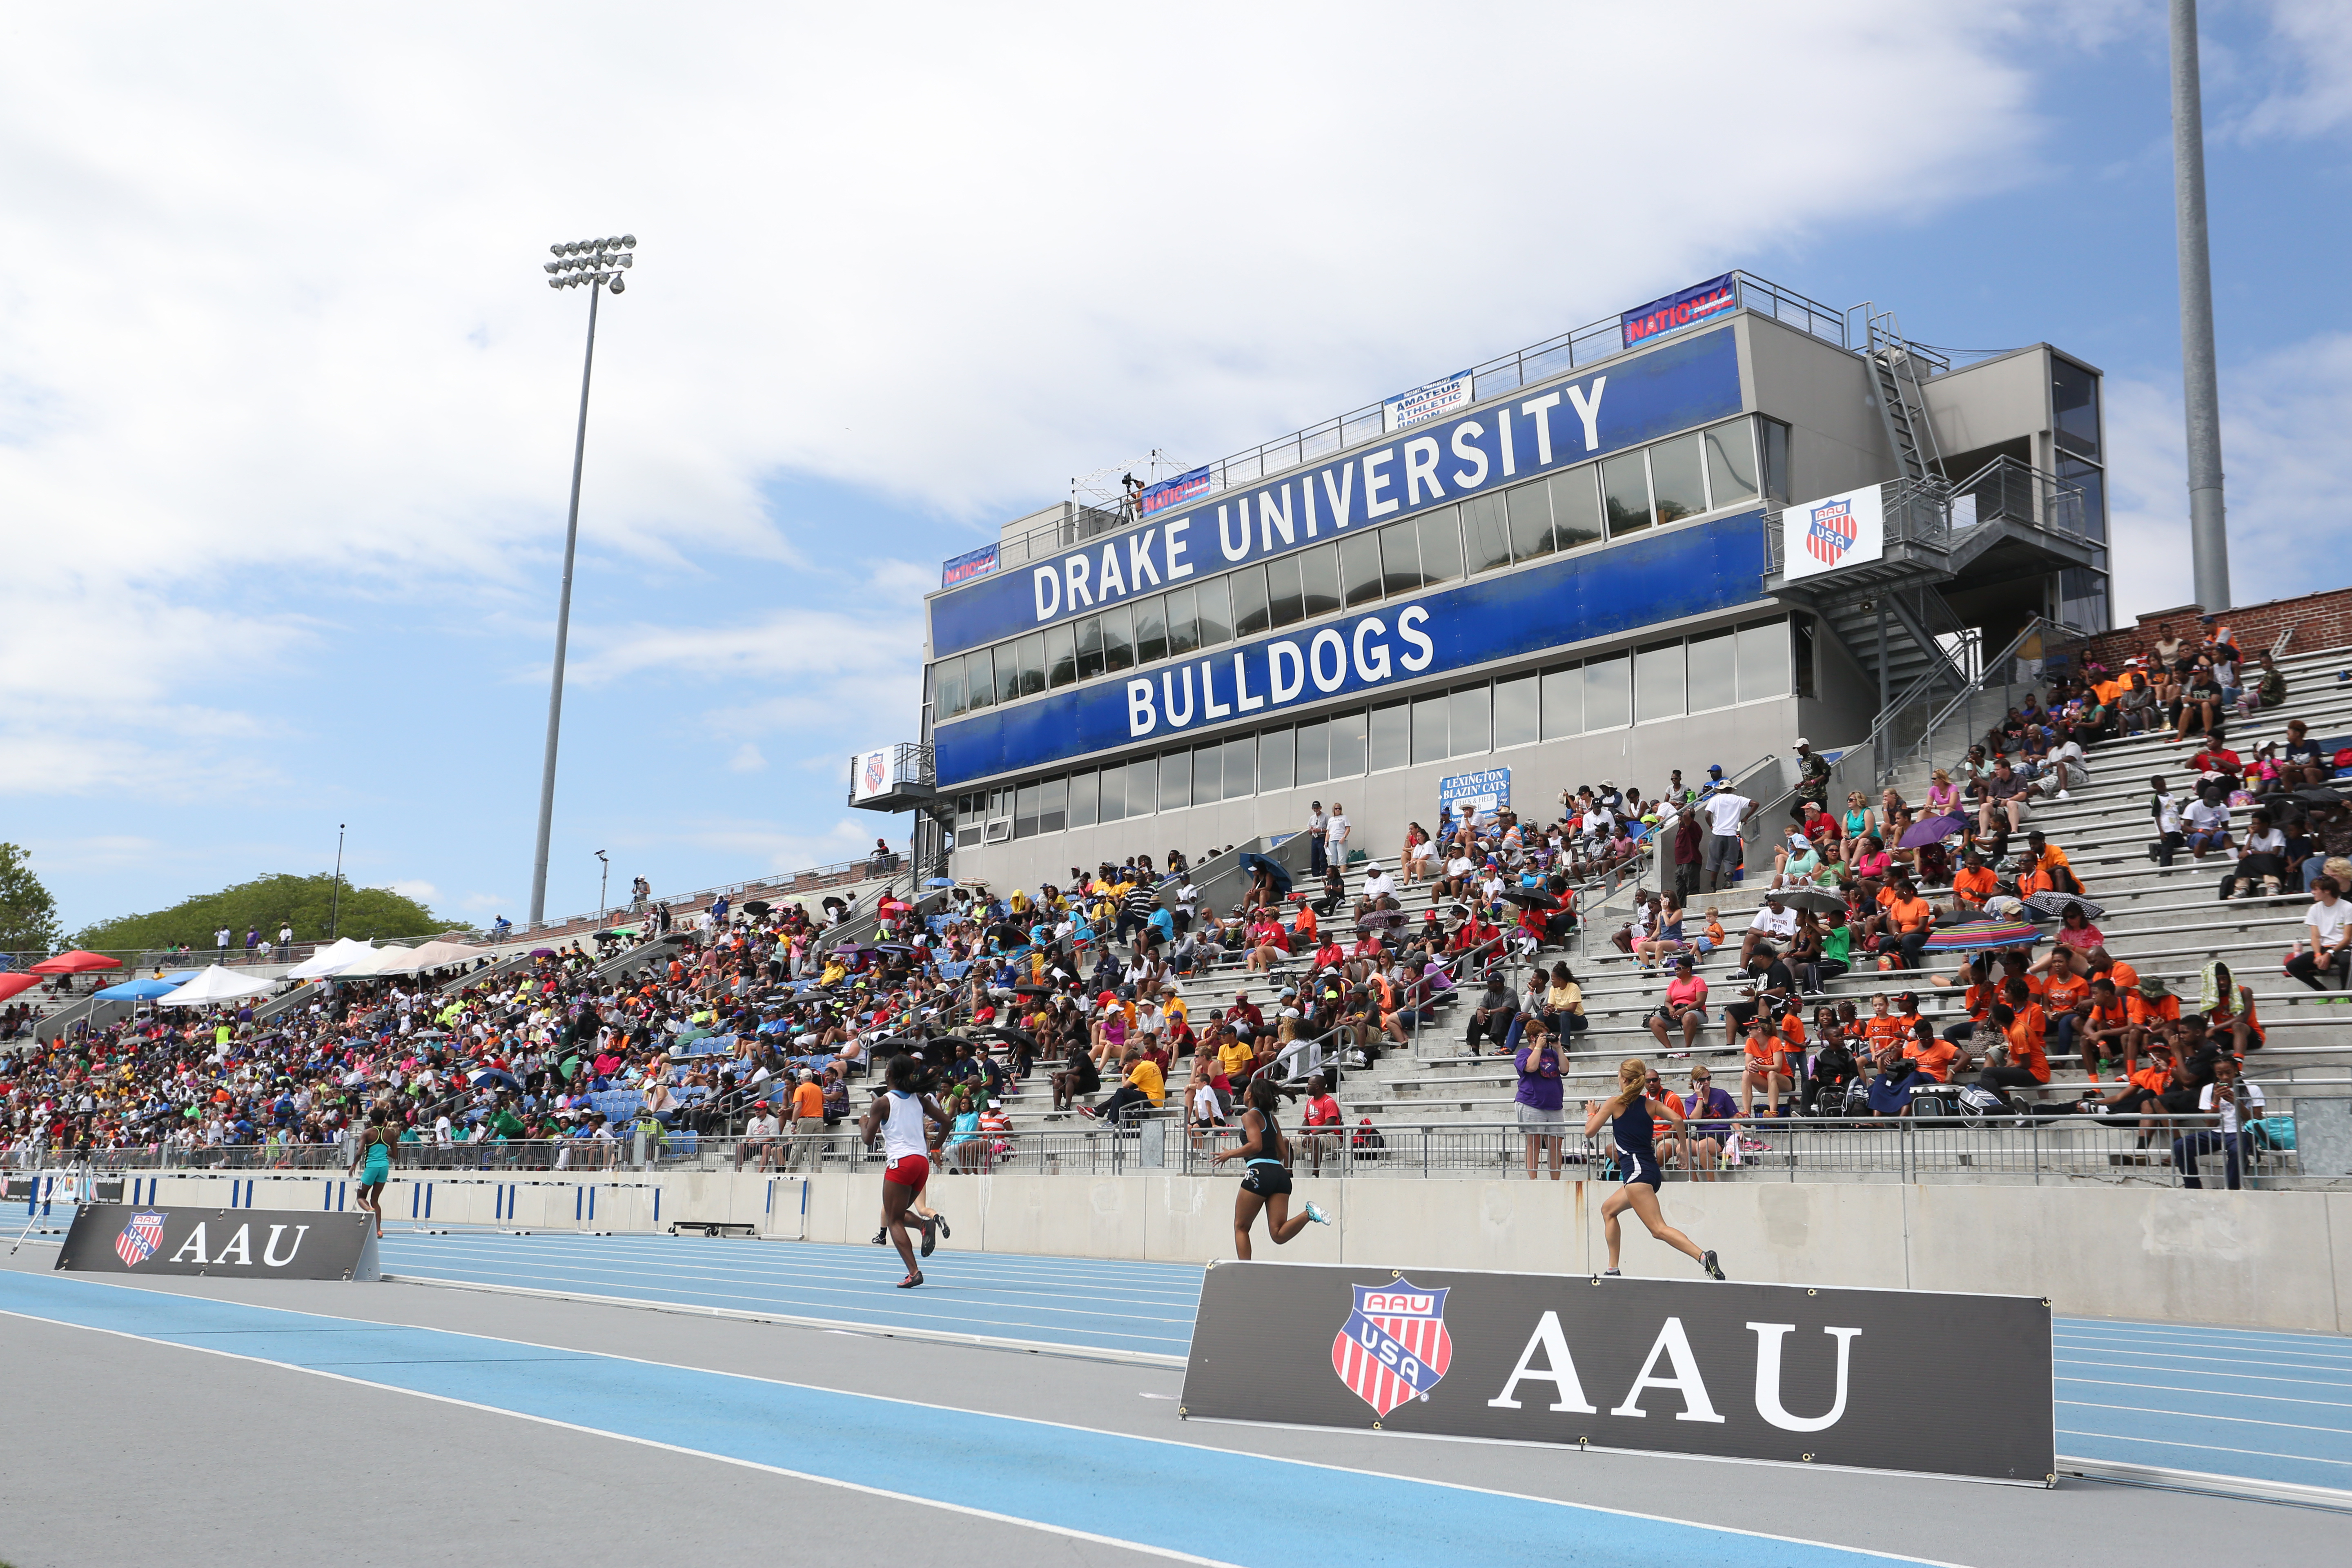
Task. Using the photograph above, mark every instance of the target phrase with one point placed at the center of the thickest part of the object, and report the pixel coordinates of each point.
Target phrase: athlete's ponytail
(1633, 1083)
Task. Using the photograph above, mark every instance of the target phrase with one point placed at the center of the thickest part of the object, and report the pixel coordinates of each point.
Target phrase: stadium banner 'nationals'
(1688, 308)
(265, 1244)
(1538, 428)
(1730, 1371)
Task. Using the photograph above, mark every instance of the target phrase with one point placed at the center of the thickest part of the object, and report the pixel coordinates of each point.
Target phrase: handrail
(1593, 344)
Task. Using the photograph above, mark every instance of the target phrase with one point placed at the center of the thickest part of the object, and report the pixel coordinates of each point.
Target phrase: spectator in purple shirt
(1539, 1096)
(1706, 1131)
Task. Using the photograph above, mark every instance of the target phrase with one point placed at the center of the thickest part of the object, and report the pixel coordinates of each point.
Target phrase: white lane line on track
(2247, 1336)
(2207, 1416)
(979, 1278)
(2150, 1344)
(2205, 1392)
(956, 1306)
(1178, 1274)
(2207, 1448)
(2304, 1382)
(866, 1286)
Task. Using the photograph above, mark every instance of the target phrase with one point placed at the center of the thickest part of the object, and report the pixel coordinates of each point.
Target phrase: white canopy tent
(331, 959)
(382, 961)
(214, 984)
(440, 954)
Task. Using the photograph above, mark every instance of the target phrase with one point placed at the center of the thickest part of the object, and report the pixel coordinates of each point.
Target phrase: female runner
(375, 1151)
(1267, 1184)
(899, 1118)
(1629, 1113)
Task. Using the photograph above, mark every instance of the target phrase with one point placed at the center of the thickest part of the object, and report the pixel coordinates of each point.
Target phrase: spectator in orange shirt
(1910, 917)
(1881, 1030)
(2026, 1057)
(1937, 1058)
(1762, 1068)
(1972, 885)
(2148, 1007)
(2104, 1023)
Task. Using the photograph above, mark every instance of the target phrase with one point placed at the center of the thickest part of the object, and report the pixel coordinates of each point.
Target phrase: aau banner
(275, 1244)
(1751, 1372)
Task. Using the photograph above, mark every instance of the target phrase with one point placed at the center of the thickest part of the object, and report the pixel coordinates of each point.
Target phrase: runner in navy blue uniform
(1266, 1183)
(1631, 1116)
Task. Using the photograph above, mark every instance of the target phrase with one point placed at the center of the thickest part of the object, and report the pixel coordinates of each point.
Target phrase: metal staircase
(1919, 629)
(1902, 401)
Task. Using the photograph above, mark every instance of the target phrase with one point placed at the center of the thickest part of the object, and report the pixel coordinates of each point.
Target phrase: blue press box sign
(972, 563)
(1688, 308)
(1648, 579)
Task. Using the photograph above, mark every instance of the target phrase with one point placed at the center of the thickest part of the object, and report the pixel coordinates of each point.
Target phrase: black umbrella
(1529, 900)
(2319, 796)
(1818, 899)
(2052, 906)
(1278, 874)
(1033, 991)
(1005, 931)
(758, 906)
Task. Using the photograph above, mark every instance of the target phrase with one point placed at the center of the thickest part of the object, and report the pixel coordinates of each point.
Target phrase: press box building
(1566, 565)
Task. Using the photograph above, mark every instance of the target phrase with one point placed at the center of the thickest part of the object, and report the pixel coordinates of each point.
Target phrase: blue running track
(1240, 1508)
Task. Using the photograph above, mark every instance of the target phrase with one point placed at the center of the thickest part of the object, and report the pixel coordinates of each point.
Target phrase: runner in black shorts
(1267, 1184)
(1631, 1114)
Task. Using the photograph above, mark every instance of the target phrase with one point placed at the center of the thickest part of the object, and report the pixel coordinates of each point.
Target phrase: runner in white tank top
(899, 1118)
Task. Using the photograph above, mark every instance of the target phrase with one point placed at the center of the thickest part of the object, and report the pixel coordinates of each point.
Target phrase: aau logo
(140, 1238)
(1830, 532)
(1394, 1345)
(878, 772)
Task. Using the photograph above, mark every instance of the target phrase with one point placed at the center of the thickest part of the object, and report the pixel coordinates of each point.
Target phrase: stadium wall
(2270, 1260)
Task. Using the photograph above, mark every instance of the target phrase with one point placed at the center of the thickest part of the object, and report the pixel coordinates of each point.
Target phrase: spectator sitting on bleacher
(2327, 941)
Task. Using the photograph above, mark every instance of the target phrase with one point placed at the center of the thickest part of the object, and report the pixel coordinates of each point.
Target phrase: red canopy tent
(12, 983)
(80, 961)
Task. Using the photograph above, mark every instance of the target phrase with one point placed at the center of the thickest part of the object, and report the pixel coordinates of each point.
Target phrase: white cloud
(746, 760)
(2306, 71)
(2283, 418)
(483, 902)
(421, 891)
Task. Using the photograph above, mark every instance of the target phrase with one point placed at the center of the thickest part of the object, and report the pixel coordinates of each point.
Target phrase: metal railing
(2054, 1151)
(1575, 350)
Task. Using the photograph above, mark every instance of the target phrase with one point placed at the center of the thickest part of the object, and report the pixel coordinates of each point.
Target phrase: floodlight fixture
(598, 263)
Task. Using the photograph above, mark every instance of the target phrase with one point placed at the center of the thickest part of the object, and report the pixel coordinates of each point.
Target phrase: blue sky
(285, 412)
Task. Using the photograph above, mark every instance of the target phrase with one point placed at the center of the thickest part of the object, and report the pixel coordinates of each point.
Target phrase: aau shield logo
(878, 772)
(140, 1238)
(1830, 532)
(1394, 1345)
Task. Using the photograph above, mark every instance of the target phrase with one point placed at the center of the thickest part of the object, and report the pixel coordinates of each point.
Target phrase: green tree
(306, 903)
(29, 914)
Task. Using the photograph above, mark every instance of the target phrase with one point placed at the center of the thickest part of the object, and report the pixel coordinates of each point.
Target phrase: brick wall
(2319, 620)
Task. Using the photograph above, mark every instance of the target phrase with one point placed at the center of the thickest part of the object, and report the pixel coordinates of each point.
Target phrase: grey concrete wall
(2261, 1259)
(1821, 393)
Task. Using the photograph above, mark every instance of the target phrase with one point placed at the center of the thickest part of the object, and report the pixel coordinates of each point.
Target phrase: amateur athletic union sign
(270, 1243)
(1737, 1371)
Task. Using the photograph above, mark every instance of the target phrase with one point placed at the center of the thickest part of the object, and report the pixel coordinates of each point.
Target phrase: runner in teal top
(374, 1152)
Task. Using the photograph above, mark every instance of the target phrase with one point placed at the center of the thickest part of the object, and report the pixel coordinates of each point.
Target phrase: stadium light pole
(2209, 537)
(335, 902)
(603, 880)
(599, 263)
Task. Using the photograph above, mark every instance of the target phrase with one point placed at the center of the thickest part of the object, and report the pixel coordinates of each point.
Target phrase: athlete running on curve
(1266, 1183)
(1630, 1113)
(897, 1118)
(375, 1152)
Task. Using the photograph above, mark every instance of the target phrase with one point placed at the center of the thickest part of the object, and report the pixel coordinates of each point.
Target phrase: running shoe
(882, 1236)
(1315, 1213)
(1612, 1274)
(947, 1231)
(910, 1281)
(930, 1237)
(1714, 1269)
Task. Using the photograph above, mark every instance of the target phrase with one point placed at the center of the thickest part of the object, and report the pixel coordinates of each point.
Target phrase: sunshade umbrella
(1970, 935)
(941, 882)
(504, 1079)
(542, 953)
(2052, 905)
(129, 990)
(1379, 919)
(12, 983)
(758, 906)
(893, 947)
(833, 901)
(80, 961)
(2318, 796)
(1930, 830)
(1819, 900)
(1033, 991)
(1004, 932)
(1277, 873)
(1529, 900)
